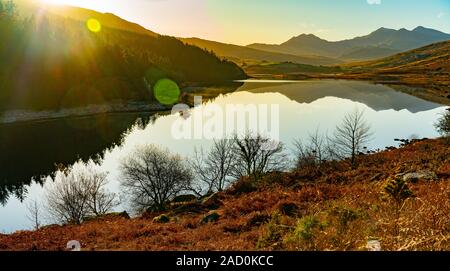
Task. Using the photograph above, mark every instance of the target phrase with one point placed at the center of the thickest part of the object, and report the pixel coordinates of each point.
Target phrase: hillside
(52, 60)
(380, 43)
(430, 59)
(242, 54)
(323, 209)
(427, 67)
(423, 72)
(31, 7)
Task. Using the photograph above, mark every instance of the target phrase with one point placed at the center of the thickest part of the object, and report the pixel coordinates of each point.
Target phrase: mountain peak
(305, 39)
(419, 28)
(307, 36)
(383, 30)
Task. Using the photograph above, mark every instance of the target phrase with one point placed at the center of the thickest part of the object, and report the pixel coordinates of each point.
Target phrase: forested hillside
(49, 62)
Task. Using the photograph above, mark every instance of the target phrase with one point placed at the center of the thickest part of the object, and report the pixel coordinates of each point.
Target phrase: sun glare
(99, 5)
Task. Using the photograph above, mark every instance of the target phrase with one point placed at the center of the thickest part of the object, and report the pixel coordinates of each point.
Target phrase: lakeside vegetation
(338, 196)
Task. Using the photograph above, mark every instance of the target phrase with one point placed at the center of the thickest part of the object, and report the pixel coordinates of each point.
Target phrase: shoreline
(423, 87)
(23, 116)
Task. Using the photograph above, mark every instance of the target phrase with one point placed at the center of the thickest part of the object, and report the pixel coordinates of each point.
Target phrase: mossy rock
(123, 214)
(211, 217)
(212, 202)
(162, 219)
(108, 216)
(188, 207)
(184, 198)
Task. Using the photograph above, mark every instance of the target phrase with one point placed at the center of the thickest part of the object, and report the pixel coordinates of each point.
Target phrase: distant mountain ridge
(242, 54)
(380, 43)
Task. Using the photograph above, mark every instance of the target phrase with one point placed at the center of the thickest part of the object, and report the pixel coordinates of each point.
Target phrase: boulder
(420, 175)
(210, 217)
(188, 207)
(108, 216)
(212, 202)
(162, 219)
(184, 198)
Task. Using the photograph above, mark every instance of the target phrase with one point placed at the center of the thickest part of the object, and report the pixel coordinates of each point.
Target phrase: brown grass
(326, 208)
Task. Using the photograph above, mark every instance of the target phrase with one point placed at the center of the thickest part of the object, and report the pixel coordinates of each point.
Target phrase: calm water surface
(30, 150)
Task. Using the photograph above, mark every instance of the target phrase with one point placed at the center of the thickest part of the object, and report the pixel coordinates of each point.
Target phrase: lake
(287, 110)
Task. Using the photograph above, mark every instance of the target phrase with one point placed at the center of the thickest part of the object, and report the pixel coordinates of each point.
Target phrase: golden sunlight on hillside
(96, 5)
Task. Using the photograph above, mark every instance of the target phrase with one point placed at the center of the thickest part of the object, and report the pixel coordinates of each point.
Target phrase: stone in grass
(184, 198)
(162, 219)
(212, 202)
(210, 217)
(420, 175)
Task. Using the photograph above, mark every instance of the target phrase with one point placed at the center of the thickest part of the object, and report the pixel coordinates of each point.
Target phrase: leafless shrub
(314, 151)
(152, 176)
(351, 136)
(257, 155)
(79, 192)
(34, 214)
(213, 169)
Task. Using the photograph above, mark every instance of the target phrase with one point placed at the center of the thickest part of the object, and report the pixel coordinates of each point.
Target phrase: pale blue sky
(274, 21)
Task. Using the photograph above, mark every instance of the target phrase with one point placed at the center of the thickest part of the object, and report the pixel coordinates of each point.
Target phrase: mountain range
(312, 50)
(380, 43)
(247, 55)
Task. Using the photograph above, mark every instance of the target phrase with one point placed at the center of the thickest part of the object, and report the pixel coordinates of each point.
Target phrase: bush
(397, 189)
(443, 124)
(152, 177)
(79, 192)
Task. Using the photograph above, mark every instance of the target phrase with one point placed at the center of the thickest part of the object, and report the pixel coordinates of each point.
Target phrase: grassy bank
(330, 207)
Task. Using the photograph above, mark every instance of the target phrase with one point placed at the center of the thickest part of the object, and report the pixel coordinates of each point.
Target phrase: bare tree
(257, 155)
(152, 176)
(79, 192)
(313, 151)
(351, 136)
(100, 201)
(443, 124)
(34, 214)
(214, 169)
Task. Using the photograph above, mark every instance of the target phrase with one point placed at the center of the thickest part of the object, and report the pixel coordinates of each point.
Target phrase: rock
(210, 217)
(50, 227)
(123, 215)
(420, 175)
(162, 219)
(373, 245)
(188, 207)
(257, 219)
(212, 202)
(184, 198)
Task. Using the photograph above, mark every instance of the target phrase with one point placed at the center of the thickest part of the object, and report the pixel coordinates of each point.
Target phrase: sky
(274, 21)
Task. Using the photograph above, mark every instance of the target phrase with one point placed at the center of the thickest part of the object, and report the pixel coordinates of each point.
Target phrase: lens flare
(166, 92)
(94, 25)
